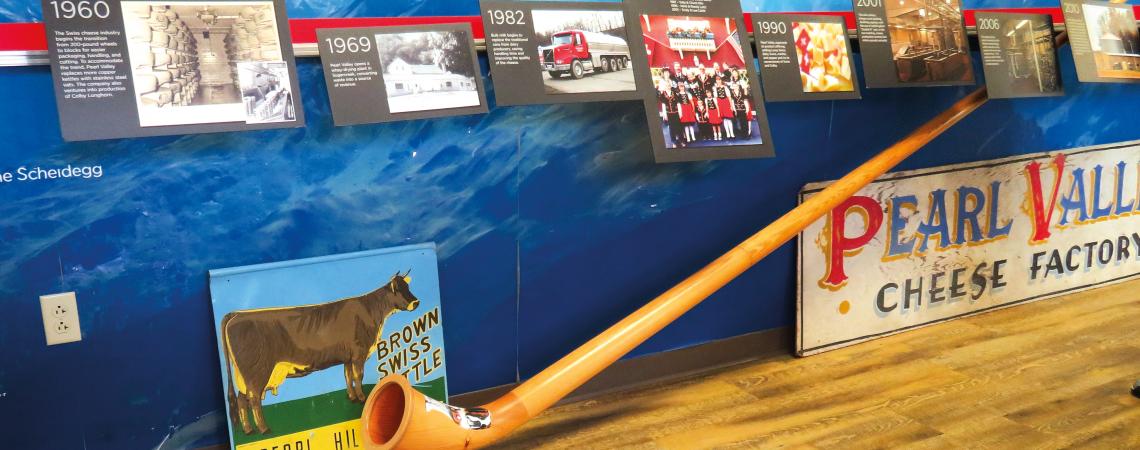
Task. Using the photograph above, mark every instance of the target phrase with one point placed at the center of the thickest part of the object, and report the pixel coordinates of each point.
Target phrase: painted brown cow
(265, 346)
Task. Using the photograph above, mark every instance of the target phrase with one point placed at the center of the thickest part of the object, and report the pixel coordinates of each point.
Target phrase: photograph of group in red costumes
(704, 94)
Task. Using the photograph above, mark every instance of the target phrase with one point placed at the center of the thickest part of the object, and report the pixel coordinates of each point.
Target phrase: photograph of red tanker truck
(575, 52)
(582, 51)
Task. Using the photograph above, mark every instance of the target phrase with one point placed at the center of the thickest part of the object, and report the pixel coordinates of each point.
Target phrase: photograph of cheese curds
(821, 49)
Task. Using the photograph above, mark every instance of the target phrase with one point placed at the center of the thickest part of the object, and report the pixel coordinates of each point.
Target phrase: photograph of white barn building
(426, 71)
(402, 78)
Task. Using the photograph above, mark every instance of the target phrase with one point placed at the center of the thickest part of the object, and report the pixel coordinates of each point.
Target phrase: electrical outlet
(61, 318)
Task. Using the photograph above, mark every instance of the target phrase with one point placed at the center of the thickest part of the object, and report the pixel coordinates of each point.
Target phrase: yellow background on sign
(323, 438)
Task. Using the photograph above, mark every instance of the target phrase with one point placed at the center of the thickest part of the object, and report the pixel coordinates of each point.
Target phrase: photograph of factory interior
(1114, 39)
(1030, 58)
(927, 40)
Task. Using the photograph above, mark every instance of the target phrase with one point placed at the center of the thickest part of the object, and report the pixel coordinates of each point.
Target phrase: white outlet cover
(61, 318)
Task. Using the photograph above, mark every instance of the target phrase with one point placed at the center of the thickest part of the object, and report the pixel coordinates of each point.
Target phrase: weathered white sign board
(920, 247)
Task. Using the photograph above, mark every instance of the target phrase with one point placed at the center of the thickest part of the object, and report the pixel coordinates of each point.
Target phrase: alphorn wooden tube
(396, 416)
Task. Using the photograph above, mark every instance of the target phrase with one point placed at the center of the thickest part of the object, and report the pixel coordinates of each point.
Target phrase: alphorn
(396, 416)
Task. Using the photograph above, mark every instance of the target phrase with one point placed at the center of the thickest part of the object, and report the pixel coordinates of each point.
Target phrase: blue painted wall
(552, 223)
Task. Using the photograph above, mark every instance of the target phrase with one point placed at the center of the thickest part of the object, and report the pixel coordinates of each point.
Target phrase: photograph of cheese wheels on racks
(704, 94)
(582, 51)
(185, 57)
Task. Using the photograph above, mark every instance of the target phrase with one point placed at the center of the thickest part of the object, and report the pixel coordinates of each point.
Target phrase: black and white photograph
(185, 58)
(582, 51)
(428, 70)
(1031, 62)
(401, 73)
(265, 92)
(1018, 55)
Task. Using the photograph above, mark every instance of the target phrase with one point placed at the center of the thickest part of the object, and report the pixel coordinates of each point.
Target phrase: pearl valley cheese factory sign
(921, 247)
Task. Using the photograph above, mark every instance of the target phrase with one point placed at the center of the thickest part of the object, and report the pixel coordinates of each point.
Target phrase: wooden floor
(1050, 374)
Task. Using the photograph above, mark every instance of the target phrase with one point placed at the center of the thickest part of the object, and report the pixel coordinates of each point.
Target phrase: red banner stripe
(31, 36)
(848, 17)
(304, 31)
(22, 36)
(1055, 12)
